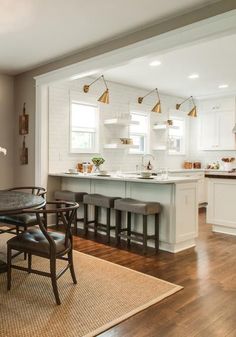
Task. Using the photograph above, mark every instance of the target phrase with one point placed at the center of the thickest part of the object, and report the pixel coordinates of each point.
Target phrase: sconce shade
(157, 107)
(193, 112)
(105, 97)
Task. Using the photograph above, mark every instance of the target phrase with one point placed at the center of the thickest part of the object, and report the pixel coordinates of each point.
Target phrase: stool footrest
(130, 237)
(99, 225)
(136, 234)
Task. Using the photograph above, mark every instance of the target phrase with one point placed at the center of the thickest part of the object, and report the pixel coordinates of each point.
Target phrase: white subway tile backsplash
(123, 99)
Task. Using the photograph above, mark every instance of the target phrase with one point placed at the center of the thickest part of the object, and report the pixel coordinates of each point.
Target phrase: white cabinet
(216, 121)
(218, 104)
(201, 185)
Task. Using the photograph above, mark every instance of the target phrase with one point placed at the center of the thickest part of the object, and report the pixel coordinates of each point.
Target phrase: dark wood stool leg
(118, 226)
(145, 234)
(128, 227)
(108, 224)
(95, 220)
(157, 232)
(86, 219)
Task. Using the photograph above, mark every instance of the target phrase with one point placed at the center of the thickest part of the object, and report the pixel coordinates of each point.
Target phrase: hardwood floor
(206, 307)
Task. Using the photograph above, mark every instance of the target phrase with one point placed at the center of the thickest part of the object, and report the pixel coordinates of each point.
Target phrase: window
(83, 129)
(138, 132)
(177, 136)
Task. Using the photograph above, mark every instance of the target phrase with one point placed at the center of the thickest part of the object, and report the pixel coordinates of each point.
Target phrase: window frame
(146, 135)
(76, 99)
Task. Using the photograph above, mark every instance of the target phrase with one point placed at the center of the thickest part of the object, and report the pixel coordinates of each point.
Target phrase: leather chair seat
(34, 240)
(99, 200)
(137, 206)
(19, 219)
(69, 196)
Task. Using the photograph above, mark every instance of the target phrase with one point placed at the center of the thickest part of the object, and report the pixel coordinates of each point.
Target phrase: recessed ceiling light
(223, 86)
(193, 76)
(155, 63)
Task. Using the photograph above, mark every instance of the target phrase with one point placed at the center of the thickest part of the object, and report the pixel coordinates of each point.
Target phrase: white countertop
(126, 177)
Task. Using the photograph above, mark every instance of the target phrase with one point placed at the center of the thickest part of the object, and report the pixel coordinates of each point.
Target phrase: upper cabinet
(216, 121)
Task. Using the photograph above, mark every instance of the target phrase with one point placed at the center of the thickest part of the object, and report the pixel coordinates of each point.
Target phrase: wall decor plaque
(24, 154)
(24, 122)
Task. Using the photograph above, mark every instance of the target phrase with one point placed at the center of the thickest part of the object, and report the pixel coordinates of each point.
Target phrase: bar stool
(72, 197)
(145, 208)
(98, 201)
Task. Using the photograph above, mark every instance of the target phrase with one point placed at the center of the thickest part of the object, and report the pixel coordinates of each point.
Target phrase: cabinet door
(207, 132)
(225, 124)
(202, 195)
(218, 104)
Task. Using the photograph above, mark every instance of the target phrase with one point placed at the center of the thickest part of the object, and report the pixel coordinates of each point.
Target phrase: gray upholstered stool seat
(69, 196)
(98, 201)
(65, 195)
(137, 206)
(144, 208)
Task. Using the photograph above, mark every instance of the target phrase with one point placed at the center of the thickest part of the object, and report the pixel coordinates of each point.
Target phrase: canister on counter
(188, 165)
(197, 165)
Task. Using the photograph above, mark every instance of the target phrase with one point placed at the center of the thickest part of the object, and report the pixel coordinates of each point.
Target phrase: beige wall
(7, 130)
(24, 83)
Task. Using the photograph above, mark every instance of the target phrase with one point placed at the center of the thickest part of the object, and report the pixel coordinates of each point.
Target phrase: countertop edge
(171, 180)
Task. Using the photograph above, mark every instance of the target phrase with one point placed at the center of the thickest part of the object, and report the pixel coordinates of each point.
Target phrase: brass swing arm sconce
(157, 106)
(104, 98)
(193, 111)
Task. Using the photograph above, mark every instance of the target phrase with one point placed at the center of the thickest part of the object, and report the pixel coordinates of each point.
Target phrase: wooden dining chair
(47, 244)
(20, 222)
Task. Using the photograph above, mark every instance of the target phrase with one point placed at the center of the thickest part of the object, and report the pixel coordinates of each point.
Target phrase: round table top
(15, 201)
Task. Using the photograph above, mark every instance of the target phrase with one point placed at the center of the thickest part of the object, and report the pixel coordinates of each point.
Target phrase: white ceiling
(33, 32)
(214, 61)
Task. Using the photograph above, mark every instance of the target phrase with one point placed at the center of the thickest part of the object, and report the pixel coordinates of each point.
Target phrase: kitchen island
(221, 209)
(177, 195)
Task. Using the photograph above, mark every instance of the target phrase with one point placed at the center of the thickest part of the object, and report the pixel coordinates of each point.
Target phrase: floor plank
(207, 304)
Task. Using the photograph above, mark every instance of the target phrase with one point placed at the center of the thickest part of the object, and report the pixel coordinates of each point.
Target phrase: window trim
(90, 102)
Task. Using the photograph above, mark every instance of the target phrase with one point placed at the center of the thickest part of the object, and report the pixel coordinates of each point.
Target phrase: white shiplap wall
(122, 99)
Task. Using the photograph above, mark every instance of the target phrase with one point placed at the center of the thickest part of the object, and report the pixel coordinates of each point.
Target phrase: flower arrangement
(3, 150)
(97, 161)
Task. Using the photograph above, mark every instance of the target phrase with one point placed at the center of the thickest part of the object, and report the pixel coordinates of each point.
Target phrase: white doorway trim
(219, 25)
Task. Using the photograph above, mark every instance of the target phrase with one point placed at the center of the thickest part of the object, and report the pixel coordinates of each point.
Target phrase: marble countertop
(126, 177)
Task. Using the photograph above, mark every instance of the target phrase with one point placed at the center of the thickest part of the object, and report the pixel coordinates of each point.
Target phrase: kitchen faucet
(146, 156)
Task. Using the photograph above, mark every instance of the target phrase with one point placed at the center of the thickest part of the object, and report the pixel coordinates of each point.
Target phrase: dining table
(15, 202)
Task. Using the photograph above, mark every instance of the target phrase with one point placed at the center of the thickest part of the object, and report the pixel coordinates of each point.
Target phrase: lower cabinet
(202, 188)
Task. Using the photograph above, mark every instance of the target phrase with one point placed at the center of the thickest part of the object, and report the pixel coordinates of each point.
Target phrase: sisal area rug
(105, 295)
